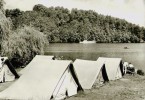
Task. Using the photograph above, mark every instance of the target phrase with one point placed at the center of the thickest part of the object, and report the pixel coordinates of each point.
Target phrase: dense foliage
(23, 45)
(20, 44)
(5, 25)
(62, 25)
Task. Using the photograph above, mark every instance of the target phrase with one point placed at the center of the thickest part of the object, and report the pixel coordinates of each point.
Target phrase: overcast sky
(131, 10)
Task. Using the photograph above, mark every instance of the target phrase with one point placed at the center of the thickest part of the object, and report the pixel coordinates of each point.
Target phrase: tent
(45, 79)
(36, 59)
(97, 72)
(101, 73)
(7, 71)
(114, 67)
(88, 72)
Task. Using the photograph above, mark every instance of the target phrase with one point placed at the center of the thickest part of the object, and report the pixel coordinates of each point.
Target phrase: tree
(23, 45)
(2, 3)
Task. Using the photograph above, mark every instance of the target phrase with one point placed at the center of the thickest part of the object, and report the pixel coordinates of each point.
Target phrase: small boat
(126, 48)
(86, 41)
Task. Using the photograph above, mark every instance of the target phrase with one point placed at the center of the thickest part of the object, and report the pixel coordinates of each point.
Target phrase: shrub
(140, 72)
(23, 45)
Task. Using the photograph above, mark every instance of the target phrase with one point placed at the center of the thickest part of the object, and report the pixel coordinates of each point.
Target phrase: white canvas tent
(45, 79)
(7, 72)
(97, 72)
(87, 71)
(36, 59)
(113, 67)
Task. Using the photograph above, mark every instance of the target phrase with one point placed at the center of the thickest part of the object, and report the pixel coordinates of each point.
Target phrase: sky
(131, 10)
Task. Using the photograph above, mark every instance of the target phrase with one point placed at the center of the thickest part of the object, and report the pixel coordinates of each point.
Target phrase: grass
(128, 88)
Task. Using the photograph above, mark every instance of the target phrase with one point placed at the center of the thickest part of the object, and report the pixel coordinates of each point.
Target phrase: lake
(135, 52)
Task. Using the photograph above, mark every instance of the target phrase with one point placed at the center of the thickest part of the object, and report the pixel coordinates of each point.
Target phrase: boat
(87, 42)
(126, 48)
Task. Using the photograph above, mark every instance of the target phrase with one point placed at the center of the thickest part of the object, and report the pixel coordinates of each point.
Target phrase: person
(130, 69)
(125, 65)
(131, 65)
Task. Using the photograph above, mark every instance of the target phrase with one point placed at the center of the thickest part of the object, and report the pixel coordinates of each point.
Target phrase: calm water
(135, 54)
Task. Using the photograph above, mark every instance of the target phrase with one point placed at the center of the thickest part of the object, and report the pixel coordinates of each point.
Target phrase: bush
(23, 45)
(140, 72)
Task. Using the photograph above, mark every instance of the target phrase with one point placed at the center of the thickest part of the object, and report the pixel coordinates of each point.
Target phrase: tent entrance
(101, 78)
(104, 74)
(68, 85)
(7, 72)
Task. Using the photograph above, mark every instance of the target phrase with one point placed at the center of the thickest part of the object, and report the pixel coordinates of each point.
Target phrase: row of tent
(44, 78)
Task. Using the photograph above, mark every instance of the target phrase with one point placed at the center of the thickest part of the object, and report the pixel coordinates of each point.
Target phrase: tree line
(64, 26)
